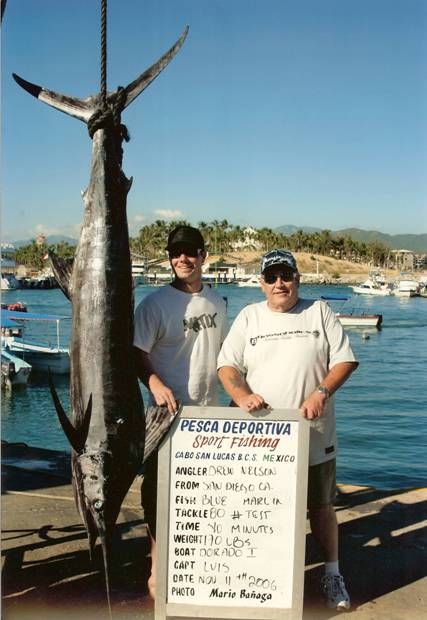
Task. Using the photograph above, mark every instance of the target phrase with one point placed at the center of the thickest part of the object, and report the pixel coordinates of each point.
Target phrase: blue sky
(305, 112)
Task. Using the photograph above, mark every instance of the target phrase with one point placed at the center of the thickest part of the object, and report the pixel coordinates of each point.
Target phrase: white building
(249, 242)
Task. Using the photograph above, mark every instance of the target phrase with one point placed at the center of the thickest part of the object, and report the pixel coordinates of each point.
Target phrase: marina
(381, 407)
(18, 332)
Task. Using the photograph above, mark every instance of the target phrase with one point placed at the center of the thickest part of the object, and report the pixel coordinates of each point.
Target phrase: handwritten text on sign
(232, 512)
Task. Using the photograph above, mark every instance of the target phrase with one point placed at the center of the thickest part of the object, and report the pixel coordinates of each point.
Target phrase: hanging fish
(108, 432)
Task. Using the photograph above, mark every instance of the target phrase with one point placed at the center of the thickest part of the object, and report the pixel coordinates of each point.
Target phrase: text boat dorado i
(42, 356)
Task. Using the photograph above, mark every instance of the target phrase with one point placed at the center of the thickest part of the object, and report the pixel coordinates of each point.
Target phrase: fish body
(108, 431)
(102, 370)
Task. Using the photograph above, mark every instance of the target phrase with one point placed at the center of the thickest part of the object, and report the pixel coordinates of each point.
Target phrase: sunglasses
(191, 252)
(285, 276)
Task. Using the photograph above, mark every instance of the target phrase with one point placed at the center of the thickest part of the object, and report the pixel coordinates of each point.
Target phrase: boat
(406, 286)
(42, 357)
(359, 320)
(14, 370)
(9, 282)
(252, 280)
(372, 286)
(354, 318)
(18, 306)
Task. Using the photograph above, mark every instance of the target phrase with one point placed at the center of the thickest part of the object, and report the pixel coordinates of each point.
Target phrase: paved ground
(47, 573)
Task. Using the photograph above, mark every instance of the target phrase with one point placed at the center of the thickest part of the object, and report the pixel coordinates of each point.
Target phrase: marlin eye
(97, 504)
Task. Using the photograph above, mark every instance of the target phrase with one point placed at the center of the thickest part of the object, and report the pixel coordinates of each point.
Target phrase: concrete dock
(47, 573)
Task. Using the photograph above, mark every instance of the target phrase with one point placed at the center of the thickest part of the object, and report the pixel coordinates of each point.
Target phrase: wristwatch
(324, 390)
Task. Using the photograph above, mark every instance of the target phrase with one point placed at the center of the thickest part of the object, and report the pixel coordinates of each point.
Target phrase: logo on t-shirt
(197, 323)
(296, 333)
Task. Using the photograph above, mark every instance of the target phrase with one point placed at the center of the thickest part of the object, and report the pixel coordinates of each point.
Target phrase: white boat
(253, 281)
(41, 356)
(359, 320)
(371, 286)
(354, 318)
(406, 286)
(9, 282)
(14, 371)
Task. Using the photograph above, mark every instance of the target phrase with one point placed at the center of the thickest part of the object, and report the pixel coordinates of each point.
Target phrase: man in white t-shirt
(287, 352)
(179, 330)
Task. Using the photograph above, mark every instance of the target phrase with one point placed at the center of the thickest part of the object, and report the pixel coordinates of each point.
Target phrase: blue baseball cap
(278, 257)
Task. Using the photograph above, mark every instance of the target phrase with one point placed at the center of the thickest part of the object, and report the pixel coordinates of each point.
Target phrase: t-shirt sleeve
(233, 348)
(339, 344)
(146, 325)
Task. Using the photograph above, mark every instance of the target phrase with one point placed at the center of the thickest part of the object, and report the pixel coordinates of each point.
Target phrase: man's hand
(314, 406)
(251, 402)
(162, 394)
(239, 391)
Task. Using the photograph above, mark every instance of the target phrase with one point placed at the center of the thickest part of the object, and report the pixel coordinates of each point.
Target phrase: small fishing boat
(406, 286)
(359, 320)
(18, 306)
(354, 318)
(42, 356)
(372, 286)
(9, 282)
(253, 281)
(14, 370)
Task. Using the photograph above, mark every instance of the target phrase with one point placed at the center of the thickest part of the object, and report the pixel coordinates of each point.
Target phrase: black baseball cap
(186, 236)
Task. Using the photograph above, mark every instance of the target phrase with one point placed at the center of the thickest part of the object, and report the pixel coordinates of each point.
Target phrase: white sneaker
(334, 590)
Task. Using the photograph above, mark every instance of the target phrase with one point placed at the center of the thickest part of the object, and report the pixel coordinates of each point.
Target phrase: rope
(104, 51)
(107, 113)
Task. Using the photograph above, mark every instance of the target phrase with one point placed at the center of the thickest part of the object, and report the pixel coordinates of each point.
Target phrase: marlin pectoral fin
(136, 87)
(62, 268)
(79, 108)
(158, 421)
(76, 435)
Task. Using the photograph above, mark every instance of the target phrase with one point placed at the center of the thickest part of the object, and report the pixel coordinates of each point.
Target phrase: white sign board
(231, 515)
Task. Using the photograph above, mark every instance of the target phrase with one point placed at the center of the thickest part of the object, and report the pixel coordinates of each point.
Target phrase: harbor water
(381, 410)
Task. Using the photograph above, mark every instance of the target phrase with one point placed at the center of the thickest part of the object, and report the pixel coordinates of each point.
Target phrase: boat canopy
(29, 316)
(7, 323)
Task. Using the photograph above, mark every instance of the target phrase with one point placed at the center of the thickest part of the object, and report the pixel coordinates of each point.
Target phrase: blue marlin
(109, 434)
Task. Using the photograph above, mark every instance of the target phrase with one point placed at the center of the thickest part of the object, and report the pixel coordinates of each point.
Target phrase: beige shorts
(322, 484)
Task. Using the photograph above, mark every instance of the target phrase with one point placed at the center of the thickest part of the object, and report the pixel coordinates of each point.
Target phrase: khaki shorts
(321, 484)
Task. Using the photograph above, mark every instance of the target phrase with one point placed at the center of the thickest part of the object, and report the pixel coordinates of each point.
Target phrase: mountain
(290, 229)
(413, 242)
(50, 240)
(416, 243)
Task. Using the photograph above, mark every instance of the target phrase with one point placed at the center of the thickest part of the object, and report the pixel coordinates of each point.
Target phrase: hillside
(331, 268)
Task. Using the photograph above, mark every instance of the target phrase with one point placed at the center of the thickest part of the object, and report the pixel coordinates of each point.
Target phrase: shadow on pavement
(47, 568)
(380, 552)
(65, 582)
